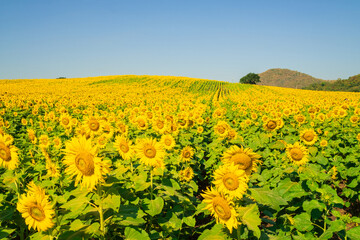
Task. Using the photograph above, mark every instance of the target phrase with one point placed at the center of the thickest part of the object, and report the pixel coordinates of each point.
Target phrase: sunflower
(8, 152)
(231, 180)
(150, 152)
(93, 125)
(297, 153)
(122, 128)
(159, 125)
(186, 153)
(187, 174)
(244, 159)
(272, 124)
(82, 162)
(52, 169)
(323, 143)
(36, 209)
(141, 123)
(124, 147)
(308, 136)
(221, 208)
(44, 141)
(65, 120)
(221, 129)
(168, 141)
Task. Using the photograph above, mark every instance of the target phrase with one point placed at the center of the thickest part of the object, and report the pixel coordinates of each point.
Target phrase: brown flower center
(149, 151)
(65, 121)
(167, 142)
(308, 136)
(231, 181)
(85, 163)
(242, 160)
(271, 124)
(94, 125)
(296, 154)
(37, 213)
(187, 154)
(221, 129)
(222, 208)
(124, 147)
(5, 153)
(141, 123)
(160, 124)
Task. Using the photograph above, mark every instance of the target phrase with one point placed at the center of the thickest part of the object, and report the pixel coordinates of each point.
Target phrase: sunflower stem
(238, 233)
(101, 213)
(151, 182)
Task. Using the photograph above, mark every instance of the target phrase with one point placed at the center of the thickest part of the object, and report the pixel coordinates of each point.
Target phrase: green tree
(251, 78)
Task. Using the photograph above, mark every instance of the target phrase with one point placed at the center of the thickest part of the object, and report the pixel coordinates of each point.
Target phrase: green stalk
(238, 233)
(101, 213)
(151, 182)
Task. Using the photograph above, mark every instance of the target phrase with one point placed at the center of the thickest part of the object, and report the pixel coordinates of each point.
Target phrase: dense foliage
(352, 84)
(152, 157)
(250, 78)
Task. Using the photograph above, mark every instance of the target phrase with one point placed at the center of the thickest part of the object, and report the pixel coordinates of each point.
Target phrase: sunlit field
(155, 157)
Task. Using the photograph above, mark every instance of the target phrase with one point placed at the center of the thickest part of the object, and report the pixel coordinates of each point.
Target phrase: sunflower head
(36, 209)
(244, 159)
(8, 153)
(150, 152)
(221, 208)
(308, 136)
(297, 153)
(187, 174)
(186, 153)
(231, 180)
(168, 141)
(124, 147)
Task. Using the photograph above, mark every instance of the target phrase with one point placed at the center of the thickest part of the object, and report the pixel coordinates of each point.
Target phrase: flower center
(141, 123)
(160, 124)
(94, 125)
(271, 125)
(242, 160)
(296, 154)
(187, 154)
(37, 213)
(221, 129)
(222, 208)
(167, 142)
(65, 121)
(149, 151)
(5, 153)
(308, 136)
(124, 147)
(85, 163)
(230, 181)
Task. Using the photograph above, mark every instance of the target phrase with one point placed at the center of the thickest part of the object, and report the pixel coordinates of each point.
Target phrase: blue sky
(221, 40)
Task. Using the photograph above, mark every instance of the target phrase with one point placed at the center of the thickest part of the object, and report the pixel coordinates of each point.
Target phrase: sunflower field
(157, 157)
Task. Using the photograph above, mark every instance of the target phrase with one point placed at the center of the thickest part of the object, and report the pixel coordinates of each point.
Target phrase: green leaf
(112, 201)
(216, 233)
(303, 222)
(353, 233)
(250, 216)
(132, 221)
(289, 190)
(353, 184)
(313, 151)
(268, 197)
(308, 206)
(154, 207)
(335, 226)
(190, 221)
(133, 234)
(76, 225)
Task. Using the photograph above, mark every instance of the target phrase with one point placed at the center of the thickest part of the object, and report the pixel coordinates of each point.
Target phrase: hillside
(352, 84)
(287, 78)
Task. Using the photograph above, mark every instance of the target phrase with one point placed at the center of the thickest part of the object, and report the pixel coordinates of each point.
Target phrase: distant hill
(287, 78)
(352, 84)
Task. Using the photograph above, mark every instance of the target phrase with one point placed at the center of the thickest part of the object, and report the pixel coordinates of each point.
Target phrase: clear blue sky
(222, 40)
